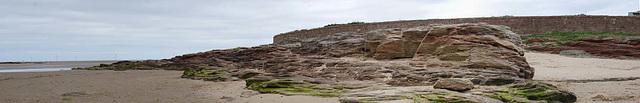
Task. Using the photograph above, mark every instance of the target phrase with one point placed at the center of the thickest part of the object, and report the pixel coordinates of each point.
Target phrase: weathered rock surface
(337, 45)
(474, 46)
(380, 65)
(603, 47)
(394, 43)
(454, 84)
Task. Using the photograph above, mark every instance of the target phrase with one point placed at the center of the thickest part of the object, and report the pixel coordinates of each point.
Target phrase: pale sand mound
(558, 68)
(129, 87)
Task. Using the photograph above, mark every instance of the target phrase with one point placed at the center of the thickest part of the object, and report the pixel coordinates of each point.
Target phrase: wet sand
(150, 86)
(81, 86)
(54, 64)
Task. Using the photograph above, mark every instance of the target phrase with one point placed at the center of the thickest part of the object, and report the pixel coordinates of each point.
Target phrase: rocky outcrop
(473, 46)
(337, 45)
(380, 65)
(460, 46)
(603, 47)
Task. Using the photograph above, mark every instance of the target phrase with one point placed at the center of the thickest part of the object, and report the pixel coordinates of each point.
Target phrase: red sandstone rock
(394, 43)
(469, 46)
(609, 47)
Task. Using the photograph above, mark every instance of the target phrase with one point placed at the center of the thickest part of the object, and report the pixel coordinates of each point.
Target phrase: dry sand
(556, 67)
(167, 86)
(604, 92)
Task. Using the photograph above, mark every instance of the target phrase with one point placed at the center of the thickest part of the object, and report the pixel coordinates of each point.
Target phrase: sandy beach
(152, 86)
(552, 67)
(81, 86)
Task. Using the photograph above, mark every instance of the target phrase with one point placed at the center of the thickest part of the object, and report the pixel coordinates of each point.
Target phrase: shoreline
(33, 70)
(55, 64)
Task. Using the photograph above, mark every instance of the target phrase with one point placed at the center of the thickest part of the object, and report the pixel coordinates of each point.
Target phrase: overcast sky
(41, 30)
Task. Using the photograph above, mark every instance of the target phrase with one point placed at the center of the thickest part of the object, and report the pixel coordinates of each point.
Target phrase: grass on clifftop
(574, 36)
(329, 25)
(351, 23)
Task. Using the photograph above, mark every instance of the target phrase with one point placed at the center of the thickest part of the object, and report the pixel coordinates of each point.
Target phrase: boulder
(474, 46)
(454, 84)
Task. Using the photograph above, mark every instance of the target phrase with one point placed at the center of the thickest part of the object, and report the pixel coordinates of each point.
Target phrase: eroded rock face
(459, 46)
(473, 46)
(394, 43)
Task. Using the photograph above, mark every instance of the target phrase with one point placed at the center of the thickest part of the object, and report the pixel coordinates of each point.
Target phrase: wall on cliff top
(520, 25)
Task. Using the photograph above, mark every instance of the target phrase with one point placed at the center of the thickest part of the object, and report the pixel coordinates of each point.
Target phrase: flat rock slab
(454, 84)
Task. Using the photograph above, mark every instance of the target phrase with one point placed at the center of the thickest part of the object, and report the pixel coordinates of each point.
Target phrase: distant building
(637, 13)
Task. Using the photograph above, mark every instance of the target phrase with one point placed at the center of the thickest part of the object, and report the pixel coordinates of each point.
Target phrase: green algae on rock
(207, 75)
(533, 91)
(290, 87)
(439, 97)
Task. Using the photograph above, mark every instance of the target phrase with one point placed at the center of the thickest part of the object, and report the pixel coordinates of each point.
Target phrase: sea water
(34, 70)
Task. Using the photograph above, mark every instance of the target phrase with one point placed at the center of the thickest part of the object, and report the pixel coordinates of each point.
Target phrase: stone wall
(520, 25)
